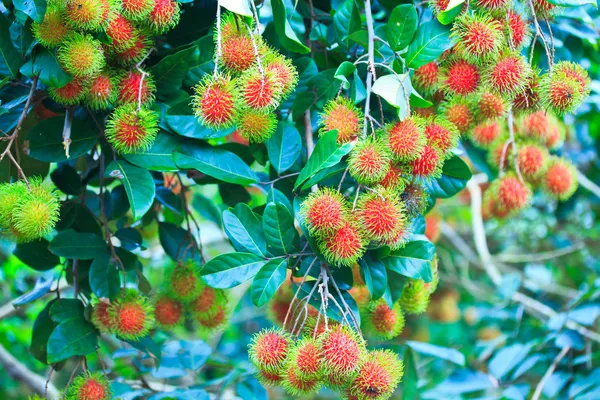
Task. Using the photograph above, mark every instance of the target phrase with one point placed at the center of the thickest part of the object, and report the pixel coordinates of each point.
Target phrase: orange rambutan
(164, 16)
(52, 31)
(89, 386)
(132, 315)
(381, 214)
(555, 136)
(485, 134)
(342, 349)
(500, 151)
(260, 91)
(185, 283)
(378, 376)
(406, 139)
(518, 29)
(441, 134)
(560, 179)
(344, 245)
(564, 90)
(136, 88)
(426, 78)
(508, 74)
(460, 77)
(324, 210)
(513, 195)
(71, 93)
(102, 93)
(136, 10)
(121, 31)
(305, 358)
(101, 318)
(256, 126)
(130, 129)
(81, 55)
(458, 113)
(269, 349)
(214, 102)
(535, 125)
(268, 379)
(214, 320)
(296, 385)
(283, 71)
(478, 36)
(237, 53)
(341, 115)
(369, 160)
(491, 106)
(575, 72)
(84, 14)
(168, 311)
(428, 164)
(383, 321)
(532, 160)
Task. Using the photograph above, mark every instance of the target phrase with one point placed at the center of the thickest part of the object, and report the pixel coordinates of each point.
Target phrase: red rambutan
(130, 130)
(493, 5)
(458, 113)
(394, 179)
(406, 139)
(518, 29)
(84, 14)
(426, 78)
(508, 74)
(561, 93)
(135, 53)
(133, 315)
(121, 31)
(168, 311)
(136, 10)
(135, 88)
(261, 91)
(369, 160)
(89, 386)
(381, 214)
(429, 163)
(573, 71)
(102, 93)
(560, 179)
(296, 385)
(164, 16)
(215, 101)
(500, 151)
(71, 93)
(305, 359)
(491, 106)
(214, 320)
(269, 349)
(237, 52)
(81, 55)
(532, 160)
(268, 379)
(341, 115)
(535, 125)
(441, 134)
(528, 98)
(343, 246)
(283, 71)
(479, 36)
(513, 195)
(342, 350)
(256, 126)
(378, 376)
(324, 210)
(543, 8)
(101, 318)
(461, 78)
(554, 137)
(485, 134)
(382, 321)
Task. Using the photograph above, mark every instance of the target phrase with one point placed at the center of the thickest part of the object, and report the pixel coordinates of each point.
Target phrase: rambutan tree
(244, 199)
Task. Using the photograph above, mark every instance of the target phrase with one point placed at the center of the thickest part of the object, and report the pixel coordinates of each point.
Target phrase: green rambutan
(283, 71)
(342, 349)
(164, 16)
(102, 93)
(426, 78)
(256, 125)
(130, 130)
(429, 164)
(296, 385)
(486, 134)
(71, 93)
(442, 134)
(134, 53)
(102, 319)
(132, 314)
(10, 194)
(415, 199)
(369, 160)
(406, 139)
(260, 91)
(81, 55)
(560, 179)
(491, 106)
(560, 93)
(84, 14)
(460, 77)
(513, 195)
(136, 88)
(36, 213)
(532, 160)
(381, 214)
(136, 10)
(460, 115)
(345, 245)
(88, 386)
(305, 358)
(341, 115)
(185, 283)
(508, 74)
(215, 101)
(324, 210)
(478, 35)
(382, 321)
(121, 31)
(415, 297)
(268, 350)
(378, 376)
(52, 31)
(168, 311)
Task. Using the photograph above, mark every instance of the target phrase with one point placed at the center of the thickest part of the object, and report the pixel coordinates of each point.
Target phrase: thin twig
(588, 184)
(371, 61)
(66, 133)
(549, 372)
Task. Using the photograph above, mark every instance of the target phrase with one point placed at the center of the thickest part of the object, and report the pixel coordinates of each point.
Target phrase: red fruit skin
(513, 195)
(341, 350)
(428, 163)
(168, 311)
(92, 390)
(462, 78)
(129, 91)
(130, 319)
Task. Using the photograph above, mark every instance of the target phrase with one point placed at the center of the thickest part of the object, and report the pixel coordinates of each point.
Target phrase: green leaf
(65, 309)
(42, 329)
(431, 41)
(444, 353)
(284, 147)
(159, 157)
(46, 141)
(66, 179)
(104, 277)
(176, 240)
(286, 35)
(33, 8)
(451, 12)
(275, 196)
(169, 72)
(573, 3)
(401, 26)
(413, 260)
(241, 7)
(278, 225)
(10, 59)
(215, 162)
(455, 175)
(139, 185)
(36, 255)
(327, 153)
(410, 379)
(344, 70)
(374, 274)
(346, 20)
(74, 337)
(228, 270)
(324, 174)
(71, 244)
(181, 119)
(207, 208)
(396, 90)
(45, 64)
(244, 229)
(268, 279)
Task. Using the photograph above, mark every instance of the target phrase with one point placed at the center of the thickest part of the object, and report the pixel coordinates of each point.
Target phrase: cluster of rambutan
(28, 213)
(88, 386)
(485, 78)
(106, 73)
(250, 81)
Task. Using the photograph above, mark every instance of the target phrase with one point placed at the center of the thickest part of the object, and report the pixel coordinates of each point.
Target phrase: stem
(549, 372)
(218, 49)
(66, 134)
(588, 184)
(371, 61)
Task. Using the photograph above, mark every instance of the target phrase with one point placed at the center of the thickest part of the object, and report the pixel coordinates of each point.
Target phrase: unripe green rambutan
(185, 283)
(84, 14)
(102, 319)
(133, 315)
(560, 179)
(369, 160)
(518, 30)
(136, 88)
(478, 36)
(415, 297)
(130, 130)
(324, 210)
(102, 93)
(305, 358)
(442, 134)
(268, 350)
(491, 106)
(342, 350)
(256, 125)
(81, 55)
(485, 134)
(215, 101)
(426, 78)
(135, 53)
(88, 386)
(10, 194)
(342, 115)
(406, 139)
(168, 311)
(393, 179)
(429, 164)
(260, 91)
(136, 10)
(458, 113)
(378, 376)
(513, 195)
(382, 321)
(52, 31)
(381, 214)
(71, 93)
(36, 212)
(532, 160)
(343, 246)
(561, 94)
(573, 71)
(460, 77)
(296, 385)
(121, 31)
(164, 16)
(508, 74)
(283, 71)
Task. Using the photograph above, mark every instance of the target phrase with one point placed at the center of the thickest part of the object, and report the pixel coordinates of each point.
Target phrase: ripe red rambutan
(260, 91)
(441, 134)
(433, 226)
(561, 93)
(256, 126)
(508, 74)
(439, 5)
(491, 106)
(52, 31)
(560, 179)
(458, 113)
(535, 125)
(343, 246)
(277, 309)
(513, 195)
(342, 350)
(531, 160)
(296, 385)
(369, 160)
(573, 71)
(378, 376)
(136, 10)
(135, 88)
(81, 55)
(283, 71)
(399, 240)
(130, 130)
(394, 179)
(485, 134)
(528, 98)
(237, 52)
(381, 214)
(500, 151)
(133, 315)
(184, 282)
(164, 16)
(214, 320)
(305, 358)
(135, 53)
(479, 36)
(102, 93)
(406, 139)
(554, 137)
(518, 29)
(543, 8)
(89, 386)
(426, 78)
(71, 93)
(168, 311)
(101, 318)
(84, 14)
(121, 31)
(324, 210)
(429, 163)
(269, 349)
(460, 78)
(342, 115)
(268, 379)
(383, 321)
(415, 297)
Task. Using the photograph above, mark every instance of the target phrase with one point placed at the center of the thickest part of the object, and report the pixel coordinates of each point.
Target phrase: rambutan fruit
(493, 5)
(429, 164)
(535, 125)
(381, 214)
(84, 14)
(513, 195)
(398, 241)
(543, 8)
(560, 93)
(214, 320)
(134, 53)
(237, 52)
(394, 179)
(527, 99)
(460, 77)
(260, 91)
(382, 321)
(433, 230)
(361, 295)
(415, 199)
(508, 74)
(491, 106)
(168, 311)
(268, 350)
(268, 379)
(305, 358)
(215, 101)
(554, 137)
(442, 134)
(256, 126)
(283, 71)
(574, 71)
(341, 115)
(71, 93)
(136, 88)
(415, 297)
(130, 130)
(208, 301)
(296, 385)
(532, 160)
(277, 309)
(81, 55)
(136, 10)
(89, 386)
(518, 30)
(378, 376)
(341, 350)
(439, 6)
(500, 151)
(460, 115)
(324, 210)
(231, 26)
(10, 194)
(53, 30)
(102, 93)
(121, 31)
(36, 213)
(426, 78)
(133, 315)
(478, 36)
(185, 283)
(109, 9)
(343, 246)
(406, 139)
(164, 16)
(486, 134)
(102, 319)
(369, 160)
(560, 179)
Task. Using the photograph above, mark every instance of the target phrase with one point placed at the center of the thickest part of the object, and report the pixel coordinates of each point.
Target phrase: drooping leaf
(431, 40)
(33, 8)
(285, 33)
(346, 20)
(451, 12)
(104, 277)
(178, 243)
(42, 329)
(10, 59)
(396, 90)
(82, 245)
(65, 309)
(139, 185)
(46, 65)
(73, 337)
(410, 379)
(278, 225)
(284, 147)
(267, 280)
(228, 270)
(374, 274)
(413, 260)
(244, 229)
